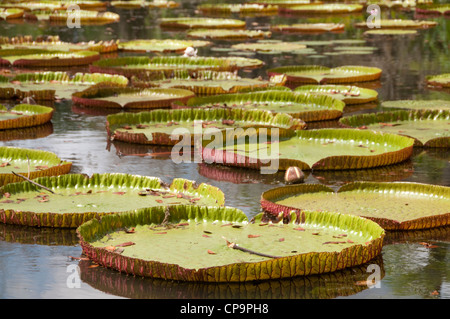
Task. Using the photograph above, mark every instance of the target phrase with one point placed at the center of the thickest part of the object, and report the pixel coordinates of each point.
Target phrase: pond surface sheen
(36, 263)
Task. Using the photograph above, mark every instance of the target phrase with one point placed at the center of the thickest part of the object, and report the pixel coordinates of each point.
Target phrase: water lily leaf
(308, 27)
(86, 17)
(230, 249)
(241, 8)
(283, 3)
(55, 5)
(433, 9)
(316, 74)
(157, 127)
(227, 34)
(390, 32)
(417, 104)
(18, 159)
(155, 45)
(307, 107)
(327, 8)
(11, 13)
(50, 85)
(400, 24)
(210, 82)
(323, 149)
(440, 80)
(135, 4)
(24, 115)
(347, 93)
(45, 58)
(79, 198)
(393, 205)
(269, 47)
(430, 128)
(202, 23)
(130, 98)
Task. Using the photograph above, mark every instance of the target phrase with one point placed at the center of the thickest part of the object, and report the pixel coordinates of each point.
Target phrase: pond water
(37, 263)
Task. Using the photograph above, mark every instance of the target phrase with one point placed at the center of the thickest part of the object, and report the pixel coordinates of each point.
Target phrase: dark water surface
(36, 263)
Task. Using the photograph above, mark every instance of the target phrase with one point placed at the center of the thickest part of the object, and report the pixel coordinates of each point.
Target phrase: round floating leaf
(78, 198)
(86, 17)
(164, 127)
(46, 58)
(308, 27)
(433, 9)
(307, 107)
(11, 13)
(210, 23)
(430, 128)
(24, 115)
(347, 94)
(400, 24)
(269, 47)
(394, 205)
(417, 104)
(135, 4)
(227, 34)
(323, 149)
(440, 80)
(316, 74)
(155, 45)
(283, 3)
(242, 8)
(130, 98)
(30, 163)
(55, 5)
(322, 8)
(211, 82)
(50, 85)
(210, 244)
(390, 32)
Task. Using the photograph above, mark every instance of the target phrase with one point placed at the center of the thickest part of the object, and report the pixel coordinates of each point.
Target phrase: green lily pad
(211, 82)
(241, 8)
(346, 93)
(51, 43)
(433, 9)
(430, 128)
(390, 32)
(308, 27)
(54, 5)
(130, 98)
(11, 13)
(322, 149)
(86, 17)
(316, 74)
(307, 107)
(146, 67)
(46, 58)
(208, 244)
(269, 47)
(155, 45)
(282, 3)
(394, 205)
(400, 24)
(202, 23)
(164, 127)
(135, 4)
(50, 85)
(417, 104)
(327, 8)
(77, 198)
(24, 115)
(440, 80)
(227, 34)
(29, 162)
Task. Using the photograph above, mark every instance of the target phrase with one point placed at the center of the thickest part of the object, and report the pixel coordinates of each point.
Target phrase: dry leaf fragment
(128, 243)
(211, 252)
(253, 236)
(299, 229)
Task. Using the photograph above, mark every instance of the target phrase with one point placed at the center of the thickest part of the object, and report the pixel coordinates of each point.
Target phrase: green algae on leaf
(171, 244)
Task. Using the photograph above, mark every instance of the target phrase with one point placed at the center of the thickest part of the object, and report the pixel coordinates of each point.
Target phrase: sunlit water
(35, 263)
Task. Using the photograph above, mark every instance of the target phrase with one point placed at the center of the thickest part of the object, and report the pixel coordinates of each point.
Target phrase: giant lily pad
(164, 127)
(207, 244)
(323, 149)
(283, 3)
(145, 66)
(77, 198)
(136, 4)
(308, 27)
(307, 107)
(436, 9)
(24, 115)
(316, 74)
(429, 128)
(328, 8)
(269, 47)
(30, 163)
(130, 98)
(390, 32)
(417, 104)
(211, 82)
(86, 17)
(45, 58)
(348, 94)
(227, 34)
(210, 23)
(54, 43)
(440, 80)
(241, 8)
(54, 5)
(394, 205)
(50, 85)
(400, 24)
(155, 45)
(11, 13)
